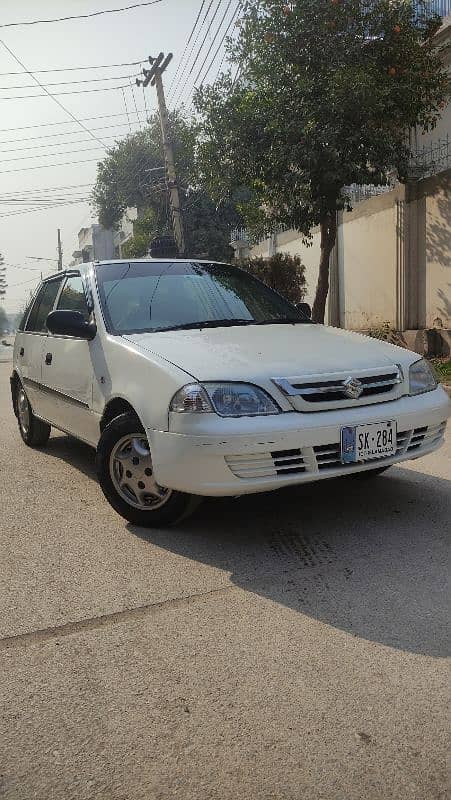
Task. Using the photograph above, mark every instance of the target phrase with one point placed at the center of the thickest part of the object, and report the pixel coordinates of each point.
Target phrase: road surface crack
(115, 617)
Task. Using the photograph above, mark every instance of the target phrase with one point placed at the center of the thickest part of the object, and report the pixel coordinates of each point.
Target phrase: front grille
(328, 391)
(341, 389)
(264, 465)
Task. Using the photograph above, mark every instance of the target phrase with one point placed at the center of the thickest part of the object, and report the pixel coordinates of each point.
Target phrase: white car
(193, 378)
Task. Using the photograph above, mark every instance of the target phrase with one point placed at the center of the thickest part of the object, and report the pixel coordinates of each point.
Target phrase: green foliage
(282, 272)
(130, 176)
(386, 333)
(144, 229)
(443, 368)
(327, 93)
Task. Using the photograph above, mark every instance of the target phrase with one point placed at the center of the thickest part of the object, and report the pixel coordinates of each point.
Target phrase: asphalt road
(288, 646)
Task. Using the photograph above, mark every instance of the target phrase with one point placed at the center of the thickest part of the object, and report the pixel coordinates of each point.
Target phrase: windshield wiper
(285, 321)
(208, 323)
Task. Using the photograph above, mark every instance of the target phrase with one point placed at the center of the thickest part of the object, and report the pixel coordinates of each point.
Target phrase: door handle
(48, 358)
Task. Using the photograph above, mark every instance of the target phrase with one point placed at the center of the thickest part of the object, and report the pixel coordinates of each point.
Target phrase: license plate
(365, 442)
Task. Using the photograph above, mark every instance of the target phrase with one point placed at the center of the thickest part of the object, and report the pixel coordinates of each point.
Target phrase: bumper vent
(264, 465)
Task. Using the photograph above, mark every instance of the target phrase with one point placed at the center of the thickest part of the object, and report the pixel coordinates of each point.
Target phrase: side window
(73, 298)
(24, 317)
(43, 305)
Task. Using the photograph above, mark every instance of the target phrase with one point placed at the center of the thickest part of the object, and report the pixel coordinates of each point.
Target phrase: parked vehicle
(193, 378)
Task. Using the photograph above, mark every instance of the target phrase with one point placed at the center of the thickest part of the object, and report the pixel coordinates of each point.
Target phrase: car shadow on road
(80, 455)
(366, 557)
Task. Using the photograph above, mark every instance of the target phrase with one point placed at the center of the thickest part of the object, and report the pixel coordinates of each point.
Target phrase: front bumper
(247, 455)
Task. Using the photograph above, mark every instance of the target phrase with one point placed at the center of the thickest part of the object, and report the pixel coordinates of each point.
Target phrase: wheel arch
(114, 408)
(14, 381)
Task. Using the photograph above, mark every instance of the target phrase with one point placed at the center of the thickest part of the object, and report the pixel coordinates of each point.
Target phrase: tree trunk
(328, 236)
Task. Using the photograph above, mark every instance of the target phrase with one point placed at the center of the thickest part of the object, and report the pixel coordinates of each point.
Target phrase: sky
(29, 165)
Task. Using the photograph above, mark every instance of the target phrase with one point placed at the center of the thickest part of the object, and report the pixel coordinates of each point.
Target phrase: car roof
(150, 259)
(84, 265)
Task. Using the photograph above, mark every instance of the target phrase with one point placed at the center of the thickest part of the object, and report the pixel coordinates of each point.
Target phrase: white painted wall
(372, 254)
(438, 258)
(367, 256)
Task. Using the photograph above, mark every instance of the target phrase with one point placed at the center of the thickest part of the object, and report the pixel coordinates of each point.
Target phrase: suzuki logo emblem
(352, 388)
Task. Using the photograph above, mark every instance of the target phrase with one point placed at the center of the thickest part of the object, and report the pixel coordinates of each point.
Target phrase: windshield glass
(158, 296)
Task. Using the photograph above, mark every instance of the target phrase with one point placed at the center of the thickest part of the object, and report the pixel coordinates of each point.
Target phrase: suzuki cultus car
(193, 378)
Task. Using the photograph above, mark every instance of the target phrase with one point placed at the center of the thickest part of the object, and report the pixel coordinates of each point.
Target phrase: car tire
(34, 432)
(125, 474)
(368, 473)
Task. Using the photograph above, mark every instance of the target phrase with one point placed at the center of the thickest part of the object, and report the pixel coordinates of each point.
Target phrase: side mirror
(305, 309)
(70, 323)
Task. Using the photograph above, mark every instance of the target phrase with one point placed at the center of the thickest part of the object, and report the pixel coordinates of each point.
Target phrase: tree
(328, 92)
(2, 276)
(282, 272)
(133, 175)
(4, 322)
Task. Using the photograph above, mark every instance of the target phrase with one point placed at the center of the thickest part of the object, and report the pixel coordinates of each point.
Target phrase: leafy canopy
(327, 93)
(133, 174)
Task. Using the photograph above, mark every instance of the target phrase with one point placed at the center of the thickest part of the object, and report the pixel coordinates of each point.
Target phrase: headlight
(421, 377)
(227, 399)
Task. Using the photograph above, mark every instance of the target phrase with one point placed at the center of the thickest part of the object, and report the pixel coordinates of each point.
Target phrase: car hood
(256, 353)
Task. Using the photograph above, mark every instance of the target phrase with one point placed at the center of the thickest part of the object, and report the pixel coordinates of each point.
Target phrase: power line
(126, 110)
(134, 102)
(54, 95)
(214, 39)
(71, 133)
(73, 69)
(80, 16)
(22, 283)
(40, 208)
(54, 144)
(186, 46)
(225, 51)
(46, 166)
(67, 83)
(36, 80)
(49, 155)
(185, 67)
(27, 269)
(51, 124)
(200, 49)
(234, 15)
(50, 188)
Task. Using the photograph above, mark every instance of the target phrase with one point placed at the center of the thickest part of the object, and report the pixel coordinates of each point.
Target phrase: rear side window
(72, 298)
(42, 306)
(21, 325)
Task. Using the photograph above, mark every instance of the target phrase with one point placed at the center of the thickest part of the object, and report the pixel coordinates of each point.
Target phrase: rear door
(67, 370)
(31, 343)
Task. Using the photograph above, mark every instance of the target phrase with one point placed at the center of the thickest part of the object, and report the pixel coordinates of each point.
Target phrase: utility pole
(60, 252)
(154, 77)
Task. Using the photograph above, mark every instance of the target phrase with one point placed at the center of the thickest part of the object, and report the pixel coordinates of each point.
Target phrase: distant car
(193, 378)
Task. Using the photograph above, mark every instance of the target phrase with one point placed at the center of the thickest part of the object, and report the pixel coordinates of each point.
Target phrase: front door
(67, 372)
(32, 342)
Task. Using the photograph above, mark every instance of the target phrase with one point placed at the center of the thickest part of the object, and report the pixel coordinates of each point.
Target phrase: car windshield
(169, 295)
